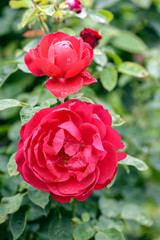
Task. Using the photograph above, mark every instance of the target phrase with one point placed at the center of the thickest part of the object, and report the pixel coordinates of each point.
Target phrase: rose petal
(108, 165)
(30, 177)
(87, 78)
(113, 137)
(60, 199)
(63, 88)
(32, 66)
(48, 68)
(72, 129)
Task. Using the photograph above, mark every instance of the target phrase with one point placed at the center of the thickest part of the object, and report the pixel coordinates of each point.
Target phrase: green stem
(73, 203)
(43, 26)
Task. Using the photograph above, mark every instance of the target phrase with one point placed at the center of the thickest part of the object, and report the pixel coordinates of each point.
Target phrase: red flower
(69, 150)
(74, 5)
(64, 59)
(90, 36)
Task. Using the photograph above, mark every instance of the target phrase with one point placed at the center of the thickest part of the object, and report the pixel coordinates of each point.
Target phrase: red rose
(64, 59)
(69, 150)
(90, 36)
(74, 5)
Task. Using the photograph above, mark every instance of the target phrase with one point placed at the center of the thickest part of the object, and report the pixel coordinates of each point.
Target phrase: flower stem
(73, 203)
(43, 25)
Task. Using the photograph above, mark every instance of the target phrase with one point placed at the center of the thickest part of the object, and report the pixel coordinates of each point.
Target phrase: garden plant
(79, 120)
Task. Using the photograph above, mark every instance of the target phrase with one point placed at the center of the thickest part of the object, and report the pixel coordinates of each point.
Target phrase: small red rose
(90, 36)
(74, 5)
(69, 150)
(63, 58)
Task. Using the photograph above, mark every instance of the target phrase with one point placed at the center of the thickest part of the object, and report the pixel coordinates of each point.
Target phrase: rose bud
(63, 58)
(69, 150)
(74, 5)
(90, 36)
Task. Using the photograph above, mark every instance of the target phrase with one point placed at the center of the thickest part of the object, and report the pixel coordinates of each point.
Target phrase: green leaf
(108, 78)
(117, 120)
(6, 71)
(12, 166)
(97, 17)
(100, 58)
(18, 222)
(9, 205)
(60, 229)
(27, 113)
(133, 69)
(106, 209)
(18, 4)
(83, 232)
(47, 9)
(86, 99)
(104, 223)
(23, 67)
(9, 103)
(135, 162)
(109, 234)
(47, 103)
(85, 217)
(108, 15)
(129, 42)
(58, 14)
(38, 197)
(27, 17)
(31, 44)
(117, 60)
(134, 212)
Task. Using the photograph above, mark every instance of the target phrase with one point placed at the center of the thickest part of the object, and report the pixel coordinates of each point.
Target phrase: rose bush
(90, 36)
(69, 150)
(74, 5)
(63, 58)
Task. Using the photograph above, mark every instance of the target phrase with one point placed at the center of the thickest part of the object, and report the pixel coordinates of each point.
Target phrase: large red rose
(63, 58)
(69, 150)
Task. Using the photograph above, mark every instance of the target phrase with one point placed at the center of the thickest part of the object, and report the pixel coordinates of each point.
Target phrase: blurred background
(133, 35)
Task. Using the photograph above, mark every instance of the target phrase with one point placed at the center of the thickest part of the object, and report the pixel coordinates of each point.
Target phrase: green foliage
(18, 223)
(60, 229)
(109, 234)
(134, 212)
(6, 71)
(108, 78)
(132, 69)
(9, 205)
(129, 42)
(9, 103)
(83, 231)
(38, 197)
(12, 166)
(132, 161)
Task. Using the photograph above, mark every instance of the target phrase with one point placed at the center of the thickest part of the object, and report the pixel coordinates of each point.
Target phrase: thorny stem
(45, 29)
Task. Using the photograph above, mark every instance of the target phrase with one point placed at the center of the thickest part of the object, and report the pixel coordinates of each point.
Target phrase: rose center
(64, 44)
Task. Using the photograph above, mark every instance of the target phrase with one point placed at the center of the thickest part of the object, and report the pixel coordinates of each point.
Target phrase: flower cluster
(71, 149)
